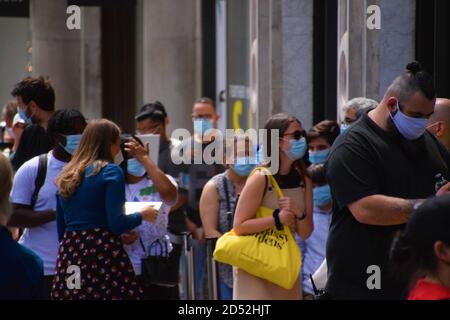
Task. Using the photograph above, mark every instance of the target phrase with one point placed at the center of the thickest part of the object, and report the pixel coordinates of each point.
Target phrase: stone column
(171, 54)
(297, 59)
(371, 59)
(284, 74)
(91, 66)
(56, 51)
(261, 61)
(397, 39)
(14, 34)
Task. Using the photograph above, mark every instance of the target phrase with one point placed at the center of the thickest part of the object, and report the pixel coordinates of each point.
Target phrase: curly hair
(94, 149)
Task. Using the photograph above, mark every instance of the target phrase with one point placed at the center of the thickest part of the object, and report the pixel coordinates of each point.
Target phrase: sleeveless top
(249, 287)
(225, 221)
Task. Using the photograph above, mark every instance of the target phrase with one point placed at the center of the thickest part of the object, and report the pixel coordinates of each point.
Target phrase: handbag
(158, 269)
(271, 254)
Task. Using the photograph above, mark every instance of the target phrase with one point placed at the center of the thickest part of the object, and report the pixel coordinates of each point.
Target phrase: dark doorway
(325, 60)
(118, 63)
(433, 41)
(209, 48)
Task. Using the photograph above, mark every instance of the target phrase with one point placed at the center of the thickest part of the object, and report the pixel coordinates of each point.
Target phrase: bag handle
(275, 185)
(272, 180)
(156, 243)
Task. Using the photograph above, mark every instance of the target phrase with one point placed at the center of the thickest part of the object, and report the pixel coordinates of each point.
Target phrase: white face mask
(118, 158)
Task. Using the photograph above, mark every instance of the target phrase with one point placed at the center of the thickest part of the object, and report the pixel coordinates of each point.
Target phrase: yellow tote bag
(272, 254)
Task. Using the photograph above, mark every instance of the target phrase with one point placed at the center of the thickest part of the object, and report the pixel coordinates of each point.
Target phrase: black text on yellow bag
(272, 254)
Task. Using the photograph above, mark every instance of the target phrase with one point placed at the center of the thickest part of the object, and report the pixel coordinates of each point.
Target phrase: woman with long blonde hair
(90, 219)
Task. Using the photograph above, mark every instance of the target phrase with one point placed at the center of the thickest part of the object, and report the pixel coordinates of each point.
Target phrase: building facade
(255, 57)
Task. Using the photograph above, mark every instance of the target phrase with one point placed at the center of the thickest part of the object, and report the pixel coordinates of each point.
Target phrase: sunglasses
(297, 135)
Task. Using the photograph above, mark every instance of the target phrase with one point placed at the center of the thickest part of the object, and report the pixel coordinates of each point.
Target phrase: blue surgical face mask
(24, 116)
(319, 157)
(322, 196)
(202, 125)
(410, 128)
(244, 166)
(72, 143)
(298, 149)
(135, 168)
(344, 126)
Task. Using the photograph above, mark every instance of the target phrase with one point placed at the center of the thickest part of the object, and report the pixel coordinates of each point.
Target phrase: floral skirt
(92, 265)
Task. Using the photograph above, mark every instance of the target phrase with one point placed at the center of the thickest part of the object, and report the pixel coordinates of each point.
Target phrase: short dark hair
(64, 122)
(329, 130)
(38, 90)
(154, 110)
(412, 249)
(413, 80)
(207, 101)
(318, 174)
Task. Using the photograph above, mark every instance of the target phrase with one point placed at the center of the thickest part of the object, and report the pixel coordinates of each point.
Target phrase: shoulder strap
(275, 185)
(270, 178)
(227, 195)
(40, 178)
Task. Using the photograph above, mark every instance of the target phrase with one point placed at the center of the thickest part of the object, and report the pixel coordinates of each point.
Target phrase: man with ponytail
(379, 170)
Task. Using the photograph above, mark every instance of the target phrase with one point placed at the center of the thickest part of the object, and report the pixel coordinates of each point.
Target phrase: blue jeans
(226, 293)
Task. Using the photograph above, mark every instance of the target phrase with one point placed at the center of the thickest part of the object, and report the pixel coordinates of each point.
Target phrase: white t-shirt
(43, 240)
(144, 191)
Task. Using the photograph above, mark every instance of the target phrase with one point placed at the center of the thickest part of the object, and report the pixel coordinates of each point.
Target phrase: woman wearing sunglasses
(293, 210)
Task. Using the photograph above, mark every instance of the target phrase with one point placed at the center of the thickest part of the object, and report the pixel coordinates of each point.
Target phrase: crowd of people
(367, 200)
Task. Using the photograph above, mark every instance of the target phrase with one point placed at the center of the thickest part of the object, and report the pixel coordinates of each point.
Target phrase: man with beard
(379, 170)
(36, 105)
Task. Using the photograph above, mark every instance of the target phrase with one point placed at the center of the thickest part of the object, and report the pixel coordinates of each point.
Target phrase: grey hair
(360, 104)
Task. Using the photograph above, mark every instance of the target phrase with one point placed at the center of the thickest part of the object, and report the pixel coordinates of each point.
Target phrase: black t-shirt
(365, 161)
(290, 181)
(33, 142)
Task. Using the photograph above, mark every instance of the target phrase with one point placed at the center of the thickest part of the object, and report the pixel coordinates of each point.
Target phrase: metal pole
(188, 266)
(211, 269)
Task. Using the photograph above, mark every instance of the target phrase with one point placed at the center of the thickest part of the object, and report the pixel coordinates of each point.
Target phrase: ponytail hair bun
(414, 67)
